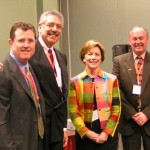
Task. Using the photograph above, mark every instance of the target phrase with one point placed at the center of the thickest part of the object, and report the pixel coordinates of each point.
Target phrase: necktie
(36, 101)
(52, 61)
(139, 72)
(139, 69)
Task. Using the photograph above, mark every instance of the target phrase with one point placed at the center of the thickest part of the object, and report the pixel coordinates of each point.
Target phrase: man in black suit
(133, 72)
(53, 78)
(19, 109)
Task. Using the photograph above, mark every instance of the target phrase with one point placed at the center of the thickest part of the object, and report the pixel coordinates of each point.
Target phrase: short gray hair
(43, 17)
(138, 28)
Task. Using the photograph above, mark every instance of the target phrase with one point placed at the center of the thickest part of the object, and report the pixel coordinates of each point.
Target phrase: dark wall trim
(39, 8)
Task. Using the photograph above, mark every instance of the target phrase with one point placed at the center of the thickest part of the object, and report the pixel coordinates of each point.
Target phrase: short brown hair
(23, 26)
(91, 44)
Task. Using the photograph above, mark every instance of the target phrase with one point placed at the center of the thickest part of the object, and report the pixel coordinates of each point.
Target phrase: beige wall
(50, 4)
(20, 10)
(106, 20)
(13, 11)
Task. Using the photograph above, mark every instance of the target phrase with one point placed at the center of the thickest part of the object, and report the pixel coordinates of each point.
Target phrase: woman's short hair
(89, 45)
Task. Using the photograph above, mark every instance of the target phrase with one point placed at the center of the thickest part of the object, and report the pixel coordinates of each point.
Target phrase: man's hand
(140, 118)
(65, 139)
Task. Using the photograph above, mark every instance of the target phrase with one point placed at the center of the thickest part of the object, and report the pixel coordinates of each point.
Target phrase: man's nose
(26, 43)
(54, 27)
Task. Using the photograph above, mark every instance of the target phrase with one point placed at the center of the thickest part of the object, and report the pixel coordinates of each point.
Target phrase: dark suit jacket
(124, 69)
(55, 100)
(18, 119)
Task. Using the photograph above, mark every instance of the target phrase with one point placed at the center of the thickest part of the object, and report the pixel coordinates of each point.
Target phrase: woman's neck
(92, 73)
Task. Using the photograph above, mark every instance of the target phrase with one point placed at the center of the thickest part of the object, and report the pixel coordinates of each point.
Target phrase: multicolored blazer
(81, 101)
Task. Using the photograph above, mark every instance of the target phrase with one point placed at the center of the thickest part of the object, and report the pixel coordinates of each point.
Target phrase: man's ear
(129, 42)
(39, 28)
(10, 41)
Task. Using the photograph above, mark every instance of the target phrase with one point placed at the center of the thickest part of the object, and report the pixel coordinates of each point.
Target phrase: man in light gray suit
(135, 91)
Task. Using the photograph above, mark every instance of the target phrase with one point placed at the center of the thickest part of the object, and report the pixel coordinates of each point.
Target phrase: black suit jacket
(55, 100)
(125, 70)
(18, 119)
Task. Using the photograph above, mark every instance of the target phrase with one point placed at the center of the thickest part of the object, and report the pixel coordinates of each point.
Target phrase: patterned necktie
(139, 72)
(139, 69)
(52, 61)
(36, 101)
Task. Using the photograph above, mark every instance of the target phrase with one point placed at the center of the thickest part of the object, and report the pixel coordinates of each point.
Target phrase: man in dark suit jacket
(135, 117)
(53, 79)
(18, 113)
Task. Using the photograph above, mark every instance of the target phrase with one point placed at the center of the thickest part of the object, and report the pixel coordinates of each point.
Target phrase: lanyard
(30, 82)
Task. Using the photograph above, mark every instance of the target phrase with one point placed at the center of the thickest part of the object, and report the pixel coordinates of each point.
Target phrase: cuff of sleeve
(64, 129)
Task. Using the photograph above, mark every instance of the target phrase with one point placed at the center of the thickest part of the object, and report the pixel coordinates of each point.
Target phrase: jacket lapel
(18, 76)
(146, 71)
(130, 68)
(64, 73)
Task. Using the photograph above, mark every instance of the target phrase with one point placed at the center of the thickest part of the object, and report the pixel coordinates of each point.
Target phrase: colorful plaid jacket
(80, 101)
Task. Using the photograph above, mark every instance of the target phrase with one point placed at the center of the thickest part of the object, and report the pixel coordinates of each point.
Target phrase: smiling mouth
(52, 34)
(25, 51)
(139, 47)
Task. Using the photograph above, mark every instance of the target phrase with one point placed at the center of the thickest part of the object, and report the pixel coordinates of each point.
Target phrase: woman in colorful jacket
(94, 102)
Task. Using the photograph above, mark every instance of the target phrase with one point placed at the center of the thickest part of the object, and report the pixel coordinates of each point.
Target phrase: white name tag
(136, 89)
(95, 115)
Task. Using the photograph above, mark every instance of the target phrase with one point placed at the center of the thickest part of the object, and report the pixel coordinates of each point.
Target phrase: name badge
(136, 89)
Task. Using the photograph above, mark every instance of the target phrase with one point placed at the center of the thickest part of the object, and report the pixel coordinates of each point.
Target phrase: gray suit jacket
(124, 69)
(55, 100)
(18, 119)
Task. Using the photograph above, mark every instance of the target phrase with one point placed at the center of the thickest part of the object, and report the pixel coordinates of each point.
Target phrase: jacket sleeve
(74, 111)
(113, 119)
(6, 139)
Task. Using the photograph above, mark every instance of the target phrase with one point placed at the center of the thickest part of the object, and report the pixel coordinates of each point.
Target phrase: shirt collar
(22, 66)
(135, 56)
(100, 74)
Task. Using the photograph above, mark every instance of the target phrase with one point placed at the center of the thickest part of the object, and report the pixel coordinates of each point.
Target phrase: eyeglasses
(52, 25)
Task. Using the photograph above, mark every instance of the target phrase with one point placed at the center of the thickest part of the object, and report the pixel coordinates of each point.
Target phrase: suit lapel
(146, 71)
(64, 74)
(18, 76)
(129, 64)
(130, 68)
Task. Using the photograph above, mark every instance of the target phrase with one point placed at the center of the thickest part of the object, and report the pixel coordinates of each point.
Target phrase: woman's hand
(102, 138)
(92, 135)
